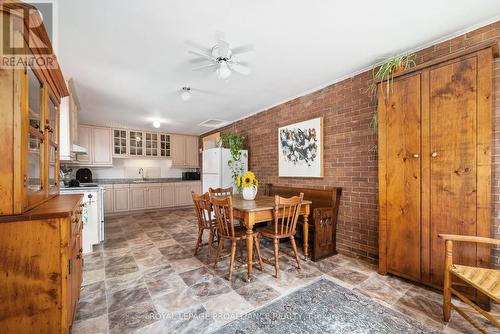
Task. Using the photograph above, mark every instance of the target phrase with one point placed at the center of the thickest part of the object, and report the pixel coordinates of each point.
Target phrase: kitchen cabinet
(44, 266)
(138, 197)
(85, 141)
(184, 151)
(151, 144)
(136, 143)
(164, 145)
(68, 124)
(121, 197)
(154, 199)
(99, 144)
(108, 198)
(182, 192)
(168, 195)
(120, 139)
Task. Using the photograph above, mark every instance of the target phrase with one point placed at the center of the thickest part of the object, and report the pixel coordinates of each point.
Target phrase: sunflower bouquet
(247, 183)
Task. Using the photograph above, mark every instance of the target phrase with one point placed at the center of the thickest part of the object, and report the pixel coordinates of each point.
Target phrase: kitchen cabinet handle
(81, 250)
(82, 205)
(434, 154)
(415, 155)
(78, 256)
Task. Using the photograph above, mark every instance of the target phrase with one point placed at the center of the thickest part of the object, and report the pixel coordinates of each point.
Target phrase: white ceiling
(129, 59)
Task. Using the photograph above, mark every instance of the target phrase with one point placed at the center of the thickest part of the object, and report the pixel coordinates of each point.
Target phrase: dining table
(261, 209)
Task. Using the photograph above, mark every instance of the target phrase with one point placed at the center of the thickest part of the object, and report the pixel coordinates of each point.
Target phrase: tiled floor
(145, 279)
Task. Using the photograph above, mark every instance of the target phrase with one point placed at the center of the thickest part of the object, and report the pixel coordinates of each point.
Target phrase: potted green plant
(385, 75)
(235, 143)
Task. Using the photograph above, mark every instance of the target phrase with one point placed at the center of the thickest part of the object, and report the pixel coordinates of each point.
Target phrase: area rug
(325, 307)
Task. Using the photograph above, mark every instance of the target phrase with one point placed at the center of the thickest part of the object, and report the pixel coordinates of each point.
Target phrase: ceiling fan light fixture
(223, 71)
(186, 94)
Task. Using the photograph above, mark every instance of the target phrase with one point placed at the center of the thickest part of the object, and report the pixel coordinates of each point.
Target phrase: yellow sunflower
(248, 180)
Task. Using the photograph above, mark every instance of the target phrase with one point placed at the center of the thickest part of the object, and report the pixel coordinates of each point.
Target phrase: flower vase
(249, 193)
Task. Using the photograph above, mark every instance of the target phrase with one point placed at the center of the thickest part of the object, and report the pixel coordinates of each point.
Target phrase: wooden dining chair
(484, 280)
(285, 215)
(227, 230)
(221, 191)
(206, 220)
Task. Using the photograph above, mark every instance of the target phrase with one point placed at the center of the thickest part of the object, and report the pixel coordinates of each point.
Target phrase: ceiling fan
(221, 57)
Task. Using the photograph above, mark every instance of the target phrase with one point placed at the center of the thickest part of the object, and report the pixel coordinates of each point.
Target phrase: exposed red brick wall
(350, 146)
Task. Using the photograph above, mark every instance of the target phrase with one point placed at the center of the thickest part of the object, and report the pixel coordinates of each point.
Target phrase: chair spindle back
(221, 191)
(223, 208)
(203, 208)
(286, 214)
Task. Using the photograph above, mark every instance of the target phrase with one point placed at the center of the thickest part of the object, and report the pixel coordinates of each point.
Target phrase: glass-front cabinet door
(136, 141)
(151, 144)
(119, 142)
(52, 128)
(164, 145)
(33, 177)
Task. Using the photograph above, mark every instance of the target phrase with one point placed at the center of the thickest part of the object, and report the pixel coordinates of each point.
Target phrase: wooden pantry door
(453, 163)
(400, 114)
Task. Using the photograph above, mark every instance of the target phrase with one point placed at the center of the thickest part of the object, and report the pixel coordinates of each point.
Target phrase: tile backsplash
(129, 168)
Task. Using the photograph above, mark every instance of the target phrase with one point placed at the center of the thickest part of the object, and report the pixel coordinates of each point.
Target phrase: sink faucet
(141, 173)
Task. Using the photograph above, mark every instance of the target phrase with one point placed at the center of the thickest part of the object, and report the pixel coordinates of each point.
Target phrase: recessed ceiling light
(156, 124)
(186, 94)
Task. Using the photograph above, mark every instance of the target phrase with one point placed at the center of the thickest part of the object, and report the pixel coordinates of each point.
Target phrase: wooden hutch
(40, 231)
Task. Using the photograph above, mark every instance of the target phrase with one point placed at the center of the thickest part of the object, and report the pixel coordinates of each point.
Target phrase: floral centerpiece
(248, 183)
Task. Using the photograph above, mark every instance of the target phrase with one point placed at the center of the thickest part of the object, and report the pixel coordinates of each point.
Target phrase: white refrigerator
(215, 170)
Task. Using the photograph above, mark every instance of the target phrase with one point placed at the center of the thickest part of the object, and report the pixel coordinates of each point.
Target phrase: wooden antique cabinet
(42, 273)
(435, 164)
(29, 123)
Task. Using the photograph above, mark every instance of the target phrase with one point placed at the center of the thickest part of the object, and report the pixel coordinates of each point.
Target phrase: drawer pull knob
(434, 154)
(415, 155)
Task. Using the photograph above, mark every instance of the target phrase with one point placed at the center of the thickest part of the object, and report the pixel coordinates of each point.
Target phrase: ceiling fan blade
(239, 68)
(205, 66)
(202, 55)
(242, 49)
(197, 60)
(198, 46)
(222, 46)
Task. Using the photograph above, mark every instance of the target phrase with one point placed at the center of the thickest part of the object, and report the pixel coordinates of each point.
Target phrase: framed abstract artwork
(300, 149)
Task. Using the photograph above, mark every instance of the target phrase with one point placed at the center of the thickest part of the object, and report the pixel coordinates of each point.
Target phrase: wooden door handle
(434, 154)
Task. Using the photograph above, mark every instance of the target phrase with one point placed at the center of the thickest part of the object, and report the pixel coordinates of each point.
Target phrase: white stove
(92, 215)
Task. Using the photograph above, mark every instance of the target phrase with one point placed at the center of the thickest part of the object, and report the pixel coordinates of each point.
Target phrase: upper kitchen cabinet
(29, 127)
(120, 137)
(136, 143)
(164, 145)
(184, 151)
(68, 124)
(99, 144)
(151, 145)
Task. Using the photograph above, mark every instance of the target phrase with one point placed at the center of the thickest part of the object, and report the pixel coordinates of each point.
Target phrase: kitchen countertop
(134, 181)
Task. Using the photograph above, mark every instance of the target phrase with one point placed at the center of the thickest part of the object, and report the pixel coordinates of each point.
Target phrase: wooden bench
(324, 210)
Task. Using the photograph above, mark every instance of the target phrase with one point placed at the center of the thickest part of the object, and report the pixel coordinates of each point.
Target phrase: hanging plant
(385, 75)
(235, 143)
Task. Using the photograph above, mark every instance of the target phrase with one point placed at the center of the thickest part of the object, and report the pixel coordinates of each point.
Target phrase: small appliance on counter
(190, 175)
(84, 175)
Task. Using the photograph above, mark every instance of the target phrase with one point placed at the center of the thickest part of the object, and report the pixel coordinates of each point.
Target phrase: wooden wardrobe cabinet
(435, 142)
